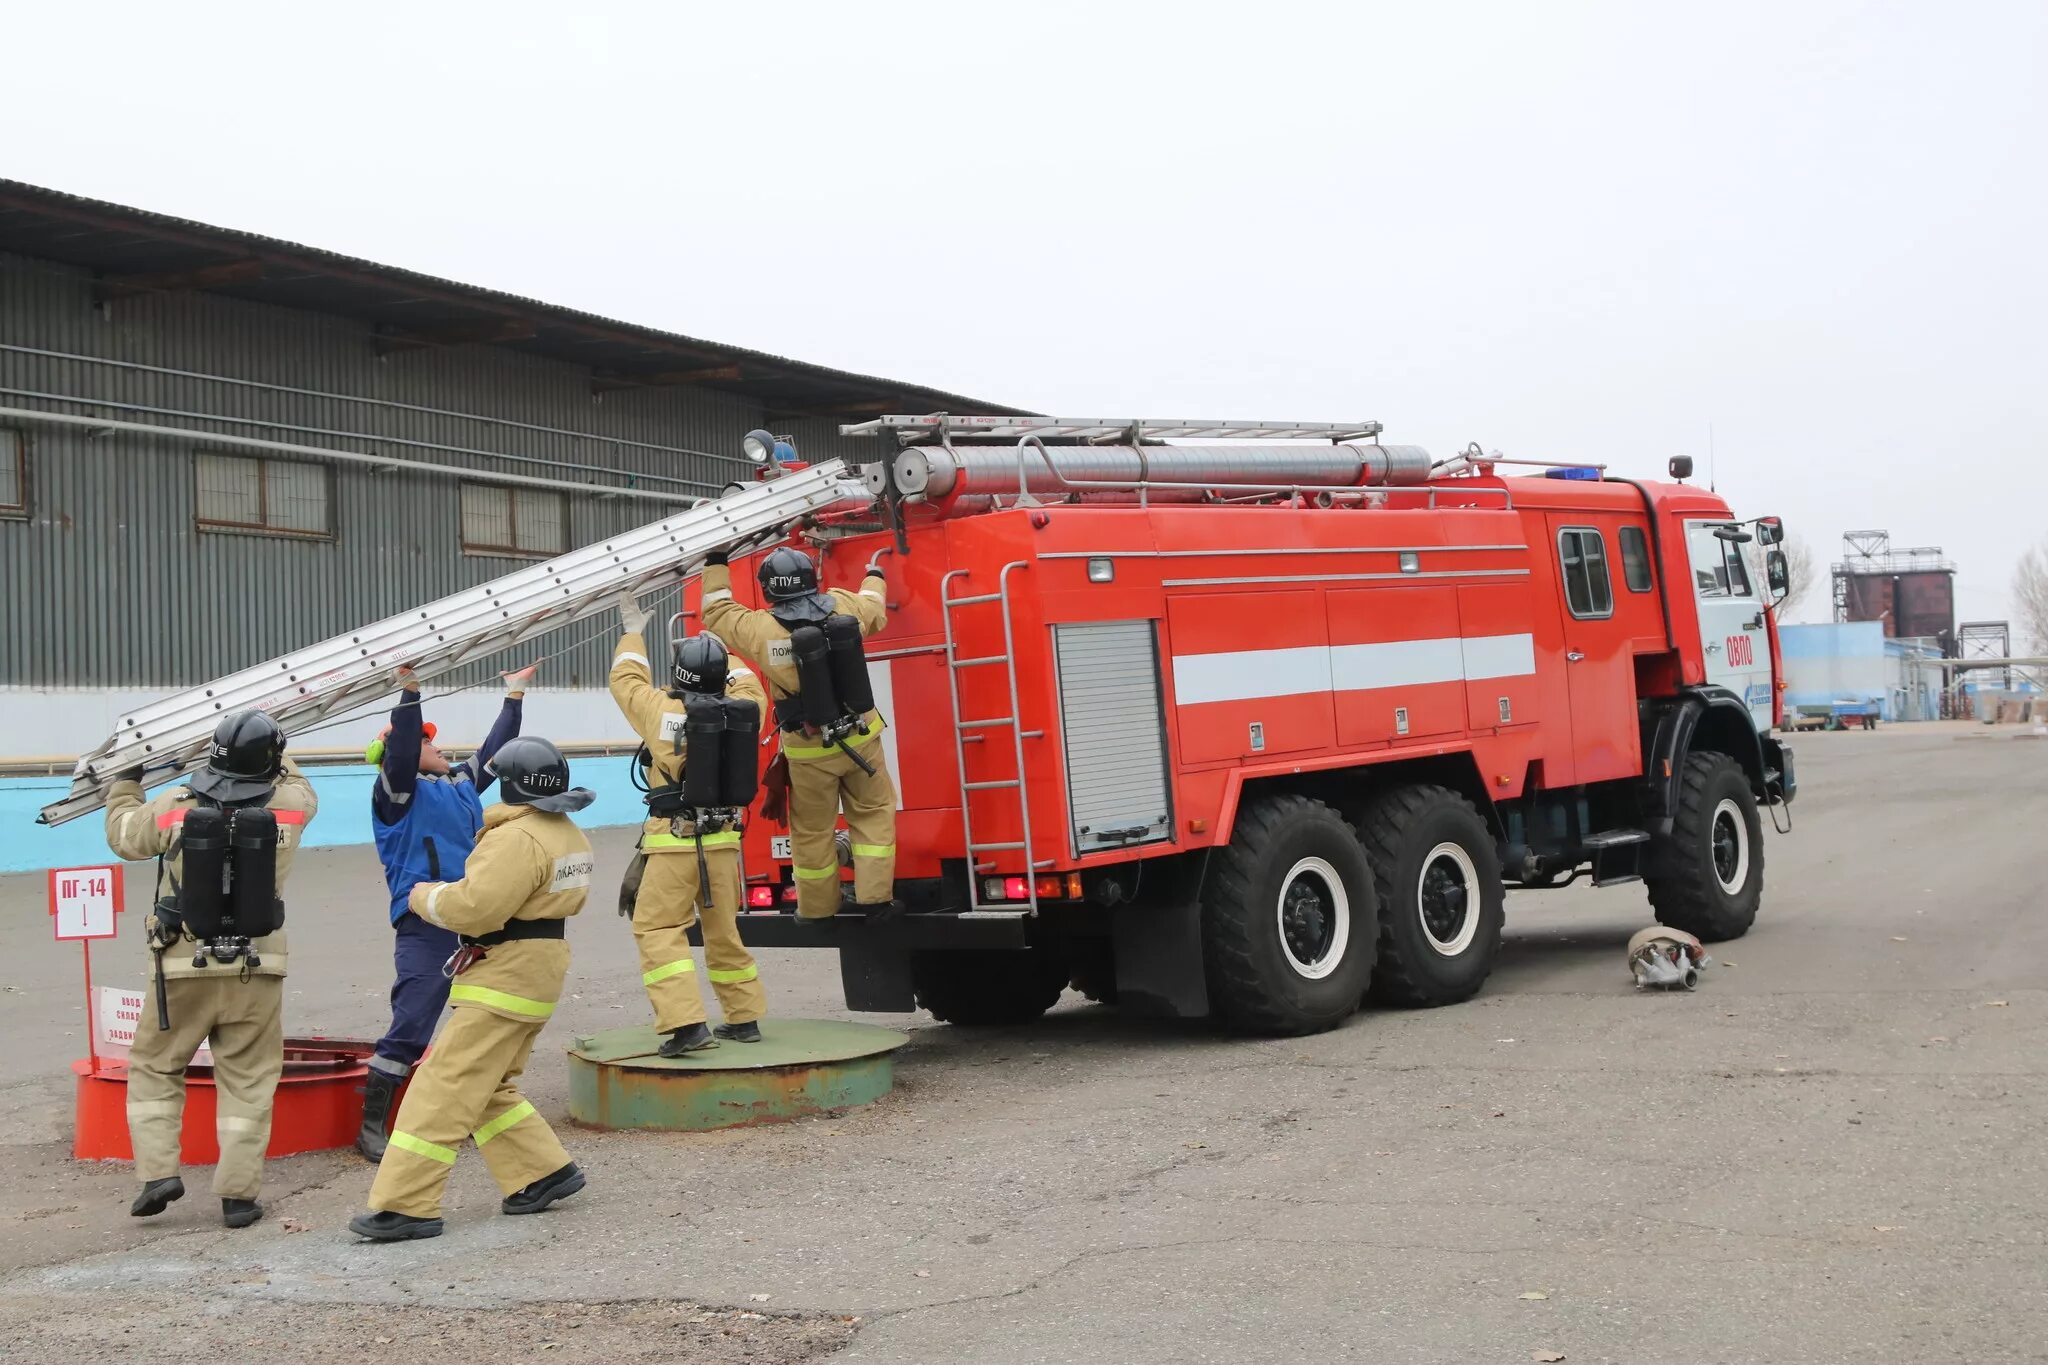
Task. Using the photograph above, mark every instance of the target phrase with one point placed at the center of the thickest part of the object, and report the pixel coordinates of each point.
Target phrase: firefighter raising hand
(807, 645)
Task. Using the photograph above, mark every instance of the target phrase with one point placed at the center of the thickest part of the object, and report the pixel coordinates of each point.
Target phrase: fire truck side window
(1582, 554)
(1635, 559)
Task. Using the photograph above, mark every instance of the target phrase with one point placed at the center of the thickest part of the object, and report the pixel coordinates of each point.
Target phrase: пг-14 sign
(84, 900)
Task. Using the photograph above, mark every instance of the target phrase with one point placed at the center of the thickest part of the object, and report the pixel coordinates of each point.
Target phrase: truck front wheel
(1289, 919)
(1707, 876)
(1441, 897)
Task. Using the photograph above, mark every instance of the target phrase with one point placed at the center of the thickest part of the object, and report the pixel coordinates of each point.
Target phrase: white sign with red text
(83, 900)
(118, 1011)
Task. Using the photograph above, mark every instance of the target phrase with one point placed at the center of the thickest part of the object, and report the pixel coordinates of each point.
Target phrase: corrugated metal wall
(108, 582)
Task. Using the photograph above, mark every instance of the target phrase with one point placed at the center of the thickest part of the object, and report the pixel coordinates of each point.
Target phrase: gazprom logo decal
(1759, 694)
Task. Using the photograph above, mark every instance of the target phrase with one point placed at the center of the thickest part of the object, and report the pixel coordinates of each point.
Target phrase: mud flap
(875, 976)
(1159, 961)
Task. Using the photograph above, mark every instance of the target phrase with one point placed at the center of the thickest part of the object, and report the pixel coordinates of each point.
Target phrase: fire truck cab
(1262, 731)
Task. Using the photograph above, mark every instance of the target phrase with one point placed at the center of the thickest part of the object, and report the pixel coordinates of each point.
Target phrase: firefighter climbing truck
(1263, 731)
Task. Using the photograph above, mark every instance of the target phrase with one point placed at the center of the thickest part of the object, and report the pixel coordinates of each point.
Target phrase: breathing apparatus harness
(833, 695)
(227, 897)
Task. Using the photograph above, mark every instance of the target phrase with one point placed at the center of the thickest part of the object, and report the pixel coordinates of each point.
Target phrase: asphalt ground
(1833, 1150)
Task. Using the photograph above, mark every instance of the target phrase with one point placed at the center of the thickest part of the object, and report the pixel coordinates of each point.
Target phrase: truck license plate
(778, 847)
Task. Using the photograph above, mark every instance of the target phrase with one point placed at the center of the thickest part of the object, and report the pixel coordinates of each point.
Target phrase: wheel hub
(1446, 899)
(1313, 918)
(1305, 920)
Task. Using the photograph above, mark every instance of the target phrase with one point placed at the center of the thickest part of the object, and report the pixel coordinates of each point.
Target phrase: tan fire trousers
(819, 788)
(667, 906)
(245, 1020)
(468, 1086)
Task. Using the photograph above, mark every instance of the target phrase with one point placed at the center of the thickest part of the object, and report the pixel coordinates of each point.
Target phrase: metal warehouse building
(215, 447)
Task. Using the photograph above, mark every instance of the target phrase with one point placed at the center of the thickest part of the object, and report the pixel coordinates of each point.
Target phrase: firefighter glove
(875, 564)
(717, 557)
(632, 617)
(167, 927)
(408, 681)
(130, 775)
(517, 682)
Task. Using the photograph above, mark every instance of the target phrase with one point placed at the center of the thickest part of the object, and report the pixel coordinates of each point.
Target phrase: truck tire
(1289, 920)
(1707, 876)
(988, 986)
(1442, 901)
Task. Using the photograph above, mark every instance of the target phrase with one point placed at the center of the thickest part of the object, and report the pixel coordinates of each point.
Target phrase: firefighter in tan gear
(226, 989)
(678, 849)
(825, 776)
(529, 873)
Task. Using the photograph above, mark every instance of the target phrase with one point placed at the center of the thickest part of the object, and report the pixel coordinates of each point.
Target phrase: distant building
(216, 447)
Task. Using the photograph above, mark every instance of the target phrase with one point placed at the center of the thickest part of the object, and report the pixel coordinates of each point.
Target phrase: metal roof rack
(1130, 430)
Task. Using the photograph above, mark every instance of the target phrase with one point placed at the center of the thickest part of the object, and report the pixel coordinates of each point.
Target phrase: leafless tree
(2030, 600)
(1798, 573)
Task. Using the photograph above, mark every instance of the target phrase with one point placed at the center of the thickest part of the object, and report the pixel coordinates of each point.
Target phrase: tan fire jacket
(756, 633)
(528, 864)
(138, 829)
(658, 718)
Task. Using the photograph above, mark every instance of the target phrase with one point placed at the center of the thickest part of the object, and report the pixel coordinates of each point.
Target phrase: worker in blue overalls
(426, 814)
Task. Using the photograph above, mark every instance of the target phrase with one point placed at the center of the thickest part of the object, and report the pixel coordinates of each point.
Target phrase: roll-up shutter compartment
(1114, 727)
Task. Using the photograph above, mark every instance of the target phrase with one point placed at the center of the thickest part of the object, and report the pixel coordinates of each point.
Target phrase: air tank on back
(947, 473)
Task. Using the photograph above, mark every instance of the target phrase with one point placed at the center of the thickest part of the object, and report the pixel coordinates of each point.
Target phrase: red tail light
(761, 897)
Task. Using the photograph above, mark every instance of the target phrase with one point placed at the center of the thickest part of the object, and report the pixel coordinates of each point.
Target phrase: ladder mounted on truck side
(300, 689)
(1103, 430)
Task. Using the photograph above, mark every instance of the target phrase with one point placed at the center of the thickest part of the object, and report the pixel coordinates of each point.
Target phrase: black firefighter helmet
(699, 665)
(789, 580)
(243, 761)
(532, 772)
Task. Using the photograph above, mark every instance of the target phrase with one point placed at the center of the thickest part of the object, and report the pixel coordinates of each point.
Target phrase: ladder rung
(972, 601)
(986, 659)
(991, 786)
(983, 724)
(992, 848)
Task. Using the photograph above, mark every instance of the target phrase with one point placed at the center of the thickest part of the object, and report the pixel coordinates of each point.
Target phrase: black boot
(749, 1032)
(545, 1191)
(690, 1038)
(878, 912)
(393, 1227)
(239, 1213)
(380, 1090)
(157, 1196)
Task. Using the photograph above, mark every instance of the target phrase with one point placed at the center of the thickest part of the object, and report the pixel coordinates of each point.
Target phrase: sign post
(83, 903)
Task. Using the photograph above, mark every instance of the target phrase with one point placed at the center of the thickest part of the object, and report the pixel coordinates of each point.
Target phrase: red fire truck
(1262, 730)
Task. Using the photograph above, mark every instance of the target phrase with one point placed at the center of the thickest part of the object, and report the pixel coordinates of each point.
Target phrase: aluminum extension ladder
(1014, 723)
(302, 688)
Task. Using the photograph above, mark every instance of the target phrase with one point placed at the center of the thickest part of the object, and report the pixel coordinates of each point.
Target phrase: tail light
(761, 897)
(1051, 886)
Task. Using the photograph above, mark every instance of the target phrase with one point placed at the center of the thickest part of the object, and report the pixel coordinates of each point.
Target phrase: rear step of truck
(967, 929)
(1617, 855)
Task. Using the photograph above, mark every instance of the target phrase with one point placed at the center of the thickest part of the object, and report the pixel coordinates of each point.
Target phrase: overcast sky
(1577, 231)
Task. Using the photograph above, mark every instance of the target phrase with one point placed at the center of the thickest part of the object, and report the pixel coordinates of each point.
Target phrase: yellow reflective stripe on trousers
(522, 1110)
(815, 874)
(432, 1151)
(727, 978)
(667, 970)
(853, 741)
(484, 995)
(724, 839)
(874, 850)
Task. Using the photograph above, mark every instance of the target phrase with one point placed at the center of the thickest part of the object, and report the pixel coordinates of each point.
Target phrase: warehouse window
(274, 497)
(13, 474)
(1583, 556)
(1635, 559)
(529, 523)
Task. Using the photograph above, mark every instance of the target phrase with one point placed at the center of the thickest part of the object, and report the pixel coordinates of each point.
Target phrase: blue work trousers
(418, 992)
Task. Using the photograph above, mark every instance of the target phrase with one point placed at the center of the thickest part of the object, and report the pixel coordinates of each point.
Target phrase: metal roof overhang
(133, 251)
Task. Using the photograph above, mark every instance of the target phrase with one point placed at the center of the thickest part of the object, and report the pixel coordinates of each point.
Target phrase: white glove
(517, 682)
(408, 681)
(631, 616)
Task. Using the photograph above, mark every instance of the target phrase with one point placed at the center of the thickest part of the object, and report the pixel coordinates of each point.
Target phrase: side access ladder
(306, 686)
(975, 730)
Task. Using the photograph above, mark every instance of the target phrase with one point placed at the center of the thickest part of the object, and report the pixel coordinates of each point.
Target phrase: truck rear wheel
(986, 986)
(1289, 919)
(1707, 876)
(1441, 898)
